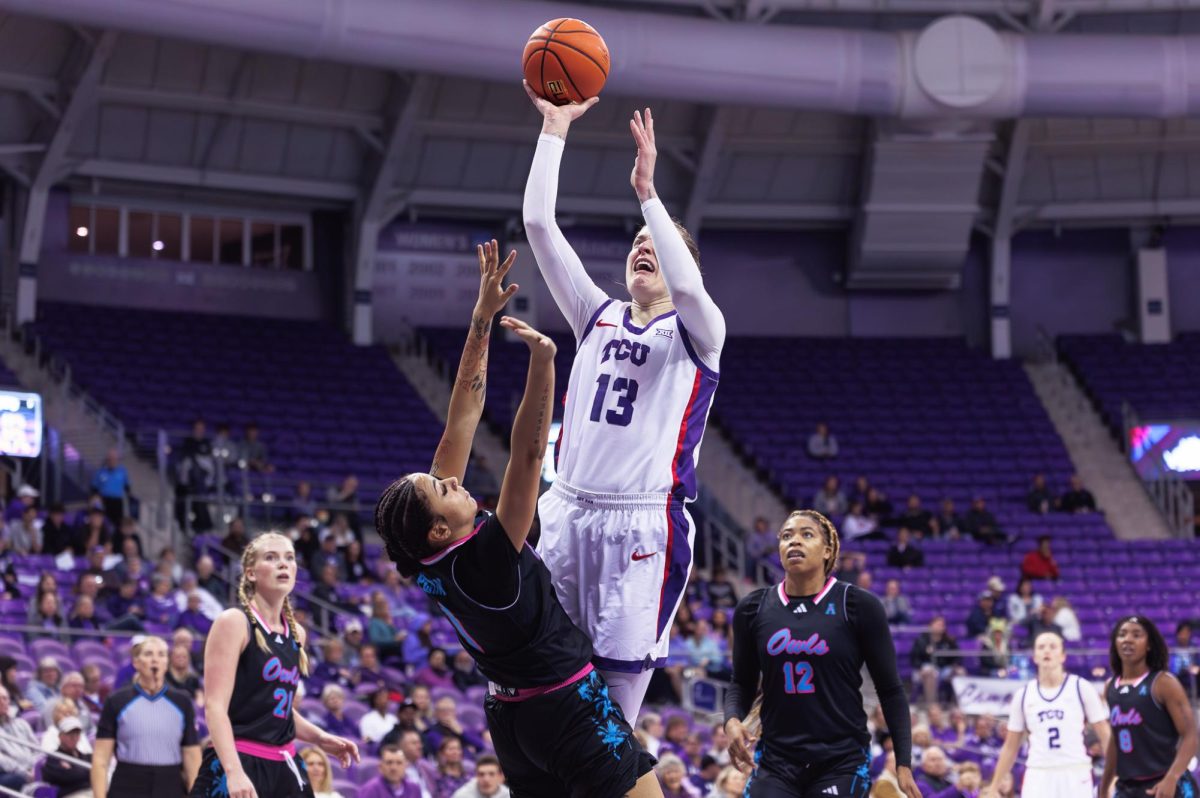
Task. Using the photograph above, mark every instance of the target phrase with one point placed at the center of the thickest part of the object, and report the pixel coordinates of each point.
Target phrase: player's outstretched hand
(741, 746)
(493, 296)
(642, 177)
(339, 748)
(541, 347)
(557, 119)
(240, 786)
(908, 785)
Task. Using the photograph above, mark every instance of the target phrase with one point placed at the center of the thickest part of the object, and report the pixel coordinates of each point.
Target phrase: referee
(153, 729)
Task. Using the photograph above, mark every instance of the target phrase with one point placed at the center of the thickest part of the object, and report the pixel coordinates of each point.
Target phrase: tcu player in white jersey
(615, 531)
(1053, 710)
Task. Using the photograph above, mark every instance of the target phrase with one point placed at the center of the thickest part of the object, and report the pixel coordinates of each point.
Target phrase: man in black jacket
(70, 778)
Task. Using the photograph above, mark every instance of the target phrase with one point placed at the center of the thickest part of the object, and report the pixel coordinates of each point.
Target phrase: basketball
(566, 61)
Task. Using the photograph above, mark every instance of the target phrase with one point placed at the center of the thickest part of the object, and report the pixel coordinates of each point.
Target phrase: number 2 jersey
(1146, 736)
(1055, 721)
(636, 407)
(809, 651)
(264, 688)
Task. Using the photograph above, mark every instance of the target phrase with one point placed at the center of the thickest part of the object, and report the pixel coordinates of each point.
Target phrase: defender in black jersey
(806, 639)
(1153, 731)
(555, 728)
(253, 662)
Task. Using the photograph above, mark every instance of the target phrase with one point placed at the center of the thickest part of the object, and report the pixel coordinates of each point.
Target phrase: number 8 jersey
(636, 407)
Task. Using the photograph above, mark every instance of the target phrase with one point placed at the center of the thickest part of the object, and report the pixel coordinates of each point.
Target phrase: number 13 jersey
(636, 407)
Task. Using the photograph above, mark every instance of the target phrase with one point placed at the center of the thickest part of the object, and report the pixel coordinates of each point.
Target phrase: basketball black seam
(542, 72)
(565, 72)
(603, 71)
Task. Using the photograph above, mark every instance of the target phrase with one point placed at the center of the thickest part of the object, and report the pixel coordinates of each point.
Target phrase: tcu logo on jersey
(621, 349)
(1051, 714)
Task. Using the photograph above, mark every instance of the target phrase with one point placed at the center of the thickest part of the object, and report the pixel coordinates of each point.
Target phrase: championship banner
(979, 695)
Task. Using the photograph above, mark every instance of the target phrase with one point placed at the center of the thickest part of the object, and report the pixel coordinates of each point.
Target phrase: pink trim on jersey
(526, 693)
(275, 753)
(782, 594)
(825, 590)
(267, 628)
(452, 546)
(1139, 680)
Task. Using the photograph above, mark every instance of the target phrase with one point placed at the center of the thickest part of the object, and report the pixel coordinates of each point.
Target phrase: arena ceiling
(124, 112)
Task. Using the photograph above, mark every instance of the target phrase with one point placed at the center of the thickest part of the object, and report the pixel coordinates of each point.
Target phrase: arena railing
(47, 754)
(1169, 492)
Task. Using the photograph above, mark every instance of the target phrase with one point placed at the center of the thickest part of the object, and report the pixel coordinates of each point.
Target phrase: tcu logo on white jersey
(632, 351)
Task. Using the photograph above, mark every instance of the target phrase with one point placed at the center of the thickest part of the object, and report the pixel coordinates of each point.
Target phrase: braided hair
(1156, 645)
(403, 520)
(246, 592)
(828, 532)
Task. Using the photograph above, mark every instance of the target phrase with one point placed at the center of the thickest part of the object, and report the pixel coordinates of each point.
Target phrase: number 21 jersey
(636, 407)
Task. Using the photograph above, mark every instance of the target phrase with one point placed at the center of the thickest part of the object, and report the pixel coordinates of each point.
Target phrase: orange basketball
(566, 61)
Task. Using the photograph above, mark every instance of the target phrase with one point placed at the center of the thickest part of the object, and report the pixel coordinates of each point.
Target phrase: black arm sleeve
(744, 686)
(875, 641)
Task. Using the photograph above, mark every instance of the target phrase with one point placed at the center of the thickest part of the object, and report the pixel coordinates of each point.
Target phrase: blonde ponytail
(290, 616)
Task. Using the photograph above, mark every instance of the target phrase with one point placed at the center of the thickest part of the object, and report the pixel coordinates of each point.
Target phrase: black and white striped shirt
(149, 729)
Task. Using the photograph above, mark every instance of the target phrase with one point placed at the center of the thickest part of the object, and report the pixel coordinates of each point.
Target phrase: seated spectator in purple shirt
(368, 670)
(942, 729)
(672, 777)
(451, 773)
(334, 720)
(159, 606)
(446, 725)
(970, 780)
(48, 615)
(193, 618)
(933, 777)
(674, 737)
(391, 781)
(83, 615)
(983, 739)
(331, 669)
(27, 496)
(436, 672)
(465, 673)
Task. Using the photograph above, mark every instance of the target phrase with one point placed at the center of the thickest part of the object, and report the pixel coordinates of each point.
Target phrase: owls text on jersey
(1056, 721)
(636, 407)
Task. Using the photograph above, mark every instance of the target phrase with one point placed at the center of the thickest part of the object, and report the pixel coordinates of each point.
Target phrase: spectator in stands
(675, 736)
(970, 780)
(446, 724)
(207, 579)
(377, 722)
(1183, 661)
(918, 520)
(722, 628)
(940, 727)
(1066, 619)
(488, 781)
(719, 744)
(71, 780)
(948, 523)
(997, 587)
(1040, 564)
(896, 604)
(316, 762)
(345, 499)
(195, 477)
(1077, 499)
(390, 783)
(328, 555)
(1043, 621)
(934, 775)
(225, 450)
(182, 676)
(382, 631)
(368, 670)
(83, 615)
(903, 553)
(982, 525)
(465, 673)
(672, 777)
(304, 536)
(58, 711)
(125, 606)
(45, 687)
(94, 689)
(27, 496)
(303, 503)
(865, 581)
(57, 534)
(851, 564)
(419, 771)
(332, 668)
(111, 481)
(50, 618)
(878, 506)
(993, 643)
(128, 530)
(862, 486)
(1024, 602)
(193, 616)
(159, 606)
(857, 525)
(984, 738)
(326, 591)
(830, 501)
(208, 605)
(822, 445)
(93, 534)
(436, 672)
(23, 535)
(357, 572)
(419, 694)
(720, 590)
(982, 614)
(931, 667)
(451, 774)
(352, 636)
(254, 452)
(761, 542)
(334, 720)
(1039, 499)
(18, 747)
(72, 688)
(235, 537)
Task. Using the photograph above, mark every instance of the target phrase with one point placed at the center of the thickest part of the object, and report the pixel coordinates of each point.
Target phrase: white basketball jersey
(636, 407)
(1056, 722)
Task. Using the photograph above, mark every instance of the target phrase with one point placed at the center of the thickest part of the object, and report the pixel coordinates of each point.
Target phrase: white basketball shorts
(1060, 782)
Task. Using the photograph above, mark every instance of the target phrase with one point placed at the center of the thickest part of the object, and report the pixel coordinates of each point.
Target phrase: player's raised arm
(470, 386)
(530, 434)
(697, 310)
(573, 291)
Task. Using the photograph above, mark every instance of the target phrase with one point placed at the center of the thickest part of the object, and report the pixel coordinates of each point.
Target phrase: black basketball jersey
(264, 688)
(504, 608)
(1146, 736)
